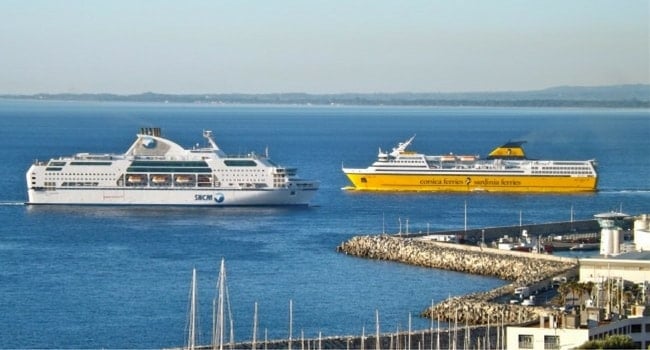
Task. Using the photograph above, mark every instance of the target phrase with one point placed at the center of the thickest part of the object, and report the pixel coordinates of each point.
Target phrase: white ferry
(157, 171)
(506, 169)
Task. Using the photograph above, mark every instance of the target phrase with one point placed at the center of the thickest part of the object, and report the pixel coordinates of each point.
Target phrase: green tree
(611, 342)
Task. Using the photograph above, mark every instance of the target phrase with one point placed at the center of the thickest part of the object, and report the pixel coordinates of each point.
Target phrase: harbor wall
(522, 269)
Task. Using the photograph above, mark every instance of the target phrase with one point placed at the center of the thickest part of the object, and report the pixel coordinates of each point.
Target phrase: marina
(473, 320)
(461, 337)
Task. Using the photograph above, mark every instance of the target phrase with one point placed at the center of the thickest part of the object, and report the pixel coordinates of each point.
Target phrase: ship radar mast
(383, 156)
(208, 135)
(401, 147)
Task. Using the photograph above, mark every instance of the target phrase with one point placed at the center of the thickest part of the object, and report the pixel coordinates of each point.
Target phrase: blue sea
(119, 277)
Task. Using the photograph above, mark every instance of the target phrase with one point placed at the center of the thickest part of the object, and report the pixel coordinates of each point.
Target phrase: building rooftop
(636, 255)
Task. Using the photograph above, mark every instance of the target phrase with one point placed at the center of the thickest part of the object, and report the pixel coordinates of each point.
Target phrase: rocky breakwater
(478, 308)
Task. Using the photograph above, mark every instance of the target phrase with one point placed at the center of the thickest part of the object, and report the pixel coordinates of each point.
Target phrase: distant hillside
(602, 93)
(617, 96)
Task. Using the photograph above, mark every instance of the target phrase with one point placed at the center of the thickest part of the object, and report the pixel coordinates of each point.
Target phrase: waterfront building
(619, 265)
(561, 335)
(632, 263)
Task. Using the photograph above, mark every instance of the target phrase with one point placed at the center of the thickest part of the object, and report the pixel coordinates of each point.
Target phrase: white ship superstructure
(157, 171)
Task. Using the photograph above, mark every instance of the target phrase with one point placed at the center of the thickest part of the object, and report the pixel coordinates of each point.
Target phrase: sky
(329, 46)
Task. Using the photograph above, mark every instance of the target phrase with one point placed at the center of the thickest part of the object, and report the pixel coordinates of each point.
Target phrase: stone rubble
(477, 308)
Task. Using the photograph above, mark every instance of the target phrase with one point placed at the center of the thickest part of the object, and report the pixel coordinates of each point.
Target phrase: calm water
(119, 277)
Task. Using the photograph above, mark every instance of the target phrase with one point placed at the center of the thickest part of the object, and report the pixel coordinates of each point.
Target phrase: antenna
(465, 216)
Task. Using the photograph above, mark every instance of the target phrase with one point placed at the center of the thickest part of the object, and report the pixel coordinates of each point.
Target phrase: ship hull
(468, 182)
(172, 197)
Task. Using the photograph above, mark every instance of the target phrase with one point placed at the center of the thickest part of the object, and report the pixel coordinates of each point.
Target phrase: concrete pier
(523, 269)
(519, 267)
(535, 230)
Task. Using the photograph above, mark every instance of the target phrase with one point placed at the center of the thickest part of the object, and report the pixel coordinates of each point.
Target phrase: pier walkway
(487, 234)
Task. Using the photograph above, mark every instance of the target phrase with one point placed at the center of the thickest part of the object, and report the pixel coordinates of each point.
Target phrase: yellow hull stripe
(470, 183)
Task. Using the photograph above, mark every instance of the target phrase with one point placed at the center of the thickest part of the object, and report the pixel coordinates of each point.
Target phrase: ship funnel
(509, 150)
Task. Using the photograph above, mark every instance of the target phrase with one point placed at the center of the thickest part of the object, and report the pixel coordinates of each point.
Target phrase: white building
(631, 264)
(618, 261)
(541, 337)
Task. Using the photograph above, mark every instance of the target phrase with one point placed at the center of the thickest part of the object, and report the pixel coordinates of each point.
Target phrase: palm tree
(564, 290)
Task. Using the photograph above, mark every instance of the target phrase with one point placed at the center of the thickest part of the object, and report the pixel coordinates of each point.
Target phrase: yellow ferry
(506, 169)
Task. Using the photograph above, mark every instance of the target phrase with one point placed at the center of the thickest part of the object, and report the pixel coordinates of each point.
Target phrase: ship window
(153, 163)
(167, 170)
(150, 166)
(240, 162)
(91, 163)
(57, 164)
(364, 180)
(53, 168)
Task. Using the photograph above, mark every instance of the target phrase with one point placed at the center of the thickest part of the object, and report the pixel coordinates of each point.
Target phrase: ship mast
(401, 147)
(208, 135)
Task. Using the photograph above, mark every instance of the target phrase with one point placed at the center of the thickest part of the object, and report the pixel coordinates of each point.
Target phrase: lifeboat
(183, 179)
(134, 179)
(159, 179)
(467, 158)
(205, 178)
(449, 158)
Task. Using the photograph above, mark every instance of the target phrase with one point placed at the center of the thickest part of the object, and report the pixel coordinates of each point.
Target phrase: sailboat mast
(191, 339)
(377, 337)
(254, 328)
(218, 311)
(222, 278)
(290, 322)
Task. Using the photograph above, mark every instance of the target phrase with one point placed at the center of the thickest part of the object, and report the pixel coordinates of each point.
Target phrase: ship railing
(89, 156)
(251, 155)
(155, 158)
